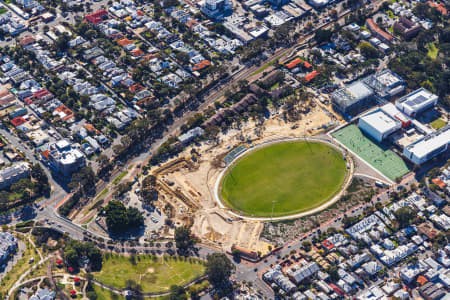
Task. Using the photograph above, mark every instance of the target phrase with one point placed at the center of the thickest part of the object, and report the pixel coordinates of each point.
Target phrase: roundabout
(283, 179)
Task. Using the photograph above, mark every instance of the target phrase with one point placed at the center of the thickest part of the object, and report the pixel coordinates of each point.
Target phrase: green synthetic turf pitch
(297, 176)
(384, 160)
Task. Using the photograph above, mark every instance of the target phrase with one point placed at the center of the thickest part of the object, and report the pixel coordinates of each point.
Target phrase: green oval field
(293, 176)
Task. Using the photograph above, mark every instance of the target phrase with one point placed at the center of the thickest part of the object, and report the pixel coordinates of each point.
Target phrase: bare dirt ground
(209, 222)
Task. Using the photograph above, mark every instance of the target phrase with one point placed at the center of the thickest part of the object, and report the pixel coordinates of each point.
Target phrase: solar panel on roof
(417, 100)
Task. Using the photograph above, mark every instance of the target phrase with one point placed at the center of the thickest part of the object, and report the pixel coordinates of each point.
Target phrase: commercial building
(63, 158)
(428, 147)
(385, 84)
(352, 97)
(416, 102)
(379, 125)
(8, 245)
(216, 9)
(13, 174)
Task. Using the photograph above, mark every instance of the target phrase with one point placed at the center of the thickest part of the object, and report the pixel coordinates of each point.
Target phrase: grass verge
(118, 179)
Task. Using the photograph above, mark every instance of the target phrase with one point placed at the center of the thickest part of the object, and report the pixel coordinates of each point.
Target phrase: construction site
(186, 183)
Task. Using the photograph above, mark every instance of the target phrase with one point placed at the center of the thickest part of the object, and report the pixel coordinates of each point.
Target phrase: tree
(177, 293)
(84, 179)
(368, 50)
(183, 238)
(404, 216)
(183, 57)
(219, 269)
(42, 186)
(75, 250)
(333, 272)
(307, 246)
(62, 43)
(323, 35)
(120, 219)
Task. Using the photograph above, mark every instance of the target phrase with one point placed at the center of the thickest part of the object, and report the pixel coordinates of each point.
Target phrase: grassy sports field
(295, 176)
(152, 273)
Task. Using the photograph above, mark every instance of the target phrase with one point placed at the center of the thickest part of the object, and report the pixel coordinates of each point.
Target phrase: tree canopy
(323, 35)
(75, 250)
(405, 215)
(120, 219)
(183, 238)
(219, 268)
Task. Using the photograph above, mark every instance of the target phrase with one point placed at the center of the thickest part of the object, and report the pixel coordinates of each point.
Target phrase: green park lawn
(294, 176)
(438, 124)
(104, 294)
(152, 273)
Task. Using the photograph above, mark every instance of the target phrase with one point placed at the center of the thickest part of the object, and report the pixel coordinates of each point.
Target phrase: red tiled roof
(439, 183)
(336, 289)
(135, 88)
(41, 93)
(440, 7)
(137, 52)
(97, 16)
(327, 244)
(307, 64)
(65, 110)
(18, 121)
(310, 76)
(191, 23)
(294, 63)
(374, 28)
(421, 280)
(46, 154)
(123, 42)
(201, 65)
(27, 40)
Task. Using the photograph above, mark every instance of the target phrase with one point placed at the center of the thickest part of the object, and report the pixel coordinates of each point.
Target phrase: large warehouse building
(428, 147)
(379, 125)
(416, 102)
(352, 97)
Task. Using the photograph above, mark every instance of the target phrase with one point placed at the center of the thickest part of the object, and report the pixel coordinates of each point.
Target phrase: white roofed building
(428, 147)
(416, 102)
(64, 158)
(379, 125)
